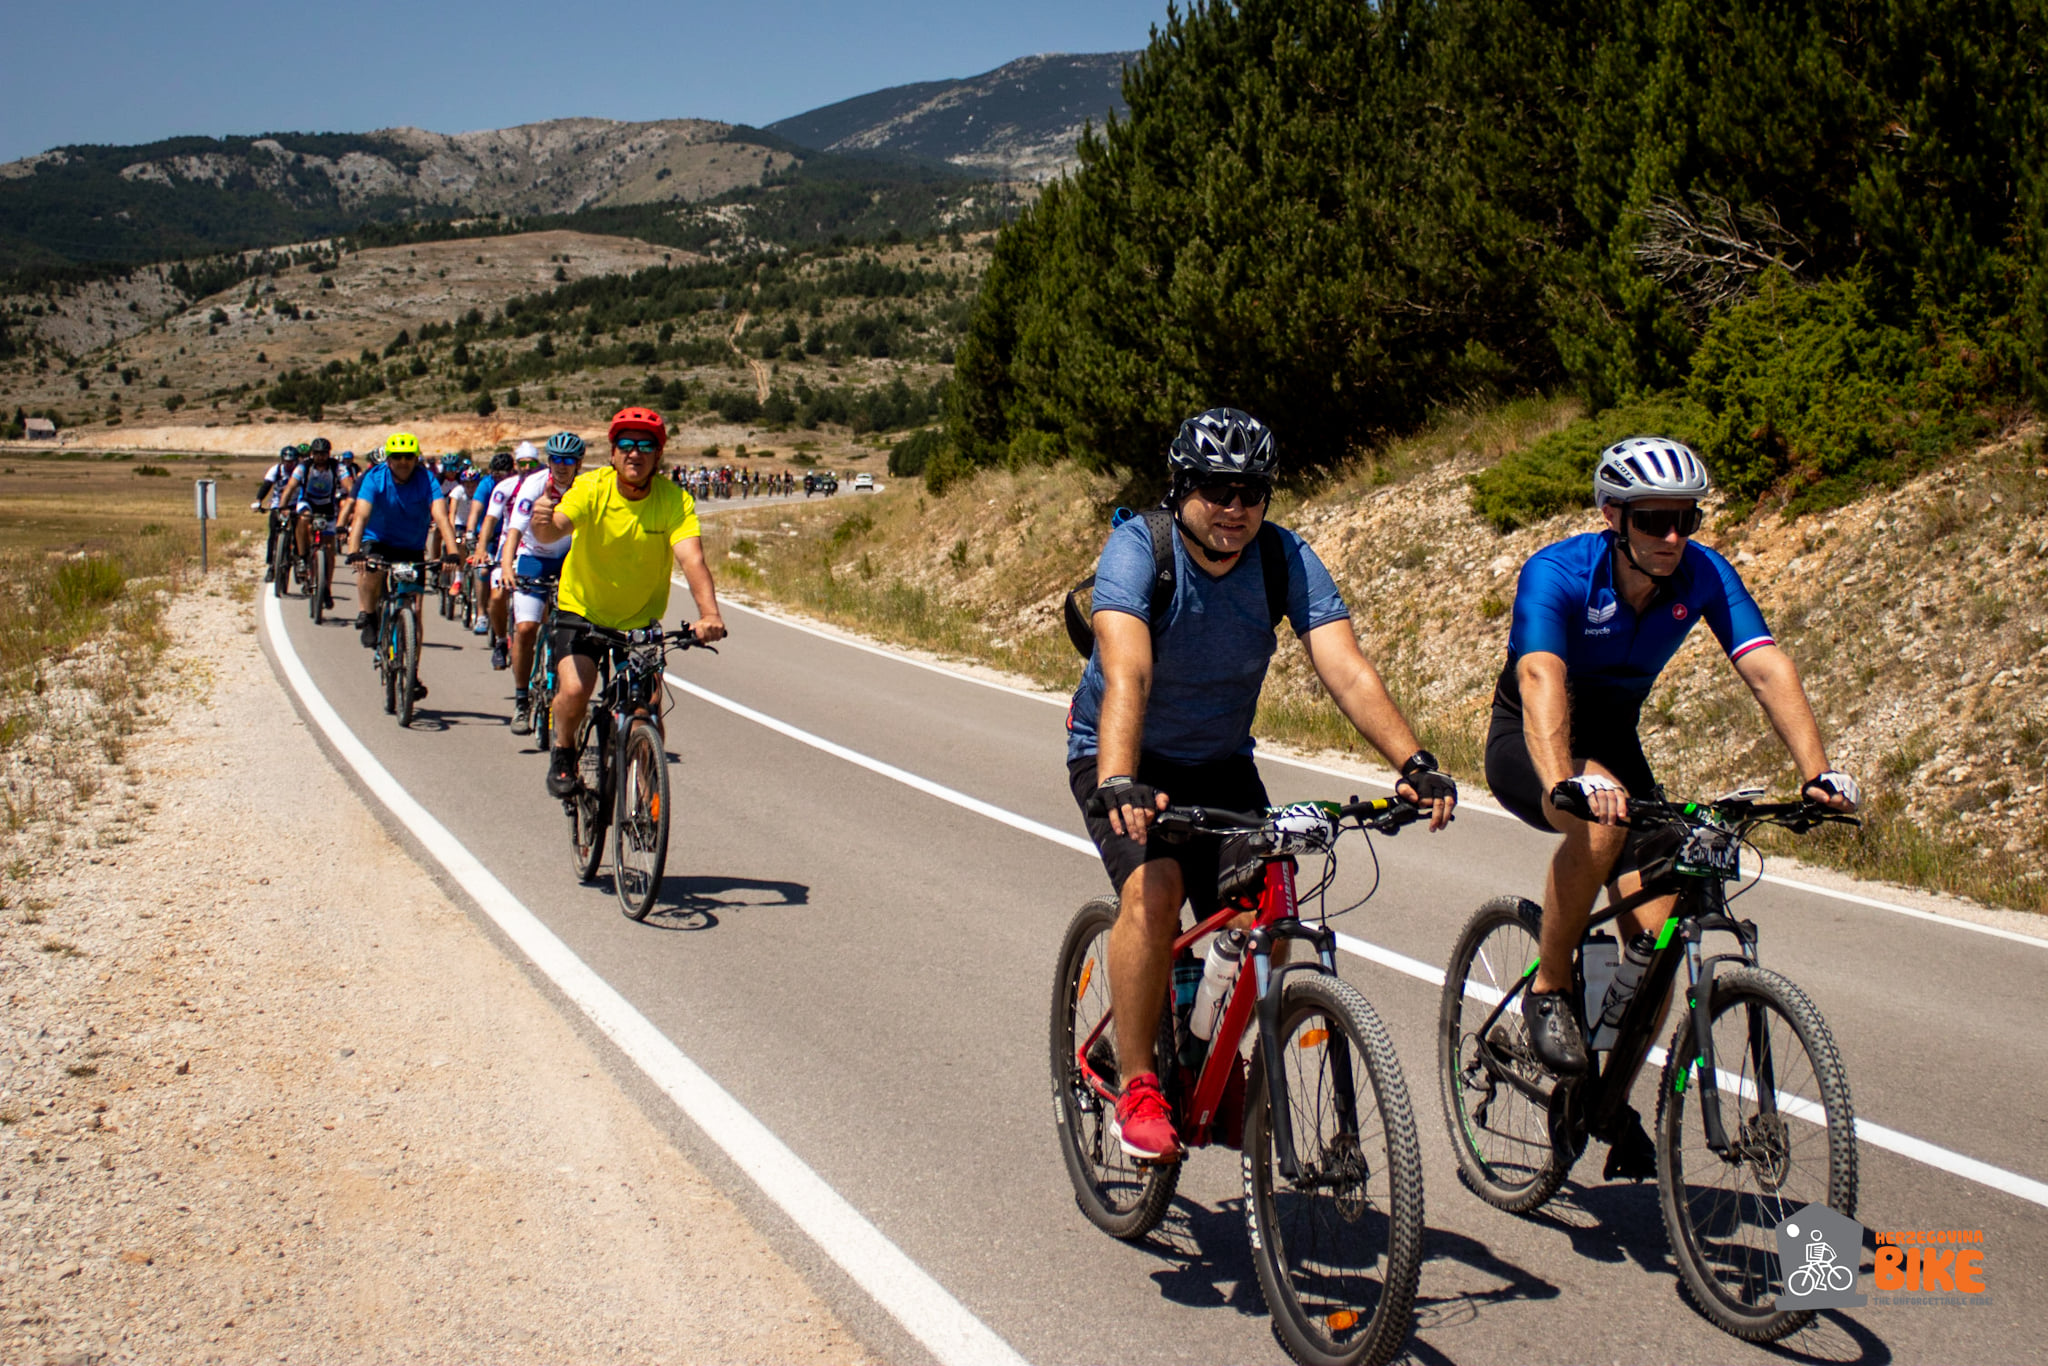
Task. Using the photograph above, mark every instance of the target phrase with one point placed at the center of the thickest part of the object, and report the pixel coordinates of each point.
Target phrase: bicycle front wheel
(321, 577)
(284, 555)
(1117, 1194)
(590, 805)
(640, 823)
(1339, 1246)
(405, 663)
(1784, 1103)
(1500, 1133)
(468, 598)
(386, 657)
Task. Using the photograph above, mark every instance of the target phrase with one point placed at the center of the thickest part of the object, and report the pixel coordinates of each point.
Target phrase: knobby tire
(1722, 1217)
(1339, 1249)
(405, 661)
(590, 805)
(640, 821)
(322, 577)
(1118, 1195)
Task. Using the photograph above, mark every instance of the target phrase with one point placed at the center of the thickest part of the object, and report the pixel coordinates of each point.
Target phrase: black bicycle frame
(1701, 908)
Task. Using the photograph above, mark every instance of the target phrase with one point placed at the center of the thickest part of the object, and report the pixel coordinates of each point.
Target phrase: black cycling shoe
(1553, 1033)
(1631, 1155)
(366, 628)
(562, 773)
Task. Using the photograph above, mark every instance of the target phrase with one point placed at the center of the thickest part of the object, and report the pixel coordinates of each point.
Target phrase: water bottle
(1599, 958)
(1627, 977)
(1226, 956)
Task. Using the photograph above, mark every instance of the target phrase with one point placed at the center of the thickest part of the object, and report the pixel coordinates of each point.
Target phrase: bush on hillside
(1811, 397)
(1555, 473)
(908, 457)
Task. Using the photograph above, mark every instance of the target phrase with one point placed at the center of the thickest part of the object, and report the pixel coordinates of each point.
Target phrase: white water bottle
(1599, 959)
(1226, 956)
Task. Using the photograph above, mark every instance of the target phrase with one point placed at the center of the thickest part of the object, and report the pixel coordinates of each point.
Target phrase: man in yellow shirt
(631, 528)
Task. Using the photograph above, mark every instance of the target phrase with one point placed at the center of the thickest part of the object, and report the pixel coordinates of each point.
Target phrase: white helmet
(1648, 467)
(526, 450)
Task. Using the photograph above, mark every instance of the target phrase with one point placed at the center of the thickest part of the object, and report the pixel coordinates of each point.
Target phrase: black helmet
(501, 464)
(1221, 443)
(322, 446)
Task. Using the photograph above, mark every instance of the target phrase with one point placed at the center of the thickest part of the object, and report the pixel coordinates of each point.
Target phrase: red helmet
(638, 420)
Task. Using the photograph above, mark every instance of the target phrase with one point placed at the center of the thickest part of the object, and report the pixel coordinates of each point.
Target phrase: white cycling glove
(1835, 784)
(1589, 783)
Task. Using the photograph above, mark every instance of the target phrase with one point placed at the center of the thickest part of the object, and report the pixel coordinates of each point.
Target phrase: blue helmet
(565, 446)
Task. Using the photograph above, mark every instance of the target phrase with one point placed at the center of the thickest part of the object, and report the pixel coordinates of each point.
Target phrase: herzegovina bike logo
(1820, 1250)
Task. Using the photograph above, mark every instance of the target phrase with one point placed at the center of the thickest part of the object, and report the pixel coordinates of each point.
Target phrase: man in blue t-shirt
(396, 504)
(1164, 714)
(1596, 619)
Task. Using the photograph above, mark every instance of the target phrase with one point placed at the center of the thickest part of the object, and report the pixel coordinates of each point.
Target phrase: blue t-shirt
(1566, 605)
(400, 514)
(1209, 662)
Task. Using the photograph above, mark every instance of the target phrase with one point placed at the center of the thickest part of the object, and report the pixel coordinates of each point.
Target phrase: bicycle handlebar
(1650, 814)
(684, 637)
(1384, 814)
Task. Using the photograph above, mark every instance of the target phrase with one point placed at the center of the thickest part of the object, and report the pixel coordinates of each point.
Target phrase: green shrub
(908, 457)
(1556, 472)
(85, 584)
(1810, 395)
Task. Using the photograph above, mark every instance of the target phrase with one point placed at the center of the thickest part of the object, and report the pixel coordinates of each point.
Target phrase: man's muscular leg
(1141, 960)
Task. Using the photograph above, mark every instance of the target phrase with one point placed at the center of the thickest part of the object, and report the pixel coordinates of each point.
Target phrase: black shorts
(573, 637)
(1231, 784)
(395, 554)
(1603, 729)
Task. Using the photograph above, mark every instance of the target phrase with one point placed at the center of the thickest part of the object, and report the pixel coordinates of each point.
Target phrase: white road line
(1365, 773)
(1877, 1135)
(917, 1301)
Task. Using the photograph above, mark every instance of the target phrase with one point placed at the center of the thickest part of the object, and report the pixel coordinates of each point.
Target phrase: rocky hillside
(1021, 120)
(189, 196)
(1919, 618)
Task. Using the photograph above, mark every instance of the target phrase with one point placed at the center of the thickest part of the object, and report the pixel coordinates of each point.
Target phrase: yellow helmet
(401, 443)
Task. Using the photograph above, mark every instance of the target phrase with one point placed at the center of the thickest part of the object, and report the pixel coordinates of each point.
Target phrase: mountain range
(93, 206)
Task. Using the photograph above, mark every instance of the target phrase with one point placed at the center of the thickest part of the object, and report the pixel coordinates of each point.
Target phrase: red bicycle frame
(1275, 904)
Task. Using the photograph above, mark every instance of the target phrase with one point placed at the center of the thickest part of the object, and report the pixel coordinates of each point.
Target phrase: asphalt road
(866, 966)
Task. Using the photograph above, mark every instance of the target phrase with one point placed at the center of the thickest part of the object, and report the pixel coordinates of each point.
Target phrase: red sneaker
(1143, 1123)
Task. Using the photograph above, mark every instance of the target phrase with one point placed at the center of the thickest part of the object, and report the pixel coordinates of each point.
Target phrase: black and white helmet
(1648, 467)
(1221, 443)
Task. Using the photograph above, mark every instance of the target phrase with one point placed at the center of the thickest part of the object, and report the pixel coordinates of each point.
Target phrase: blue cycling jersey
(1566, 605)
(401, 511)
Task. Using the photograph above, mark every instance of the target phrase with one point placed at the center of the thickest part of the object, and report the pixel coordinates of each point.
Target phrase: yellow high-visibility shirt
(616, 574)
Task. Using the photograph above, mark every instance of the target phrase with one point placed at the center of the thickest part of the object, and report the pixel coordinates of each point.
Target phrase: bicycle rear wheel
(590, 805)
(1339, 1247)
(1784, 1101)
(640, 823)
(405, 663)
(541, 692)
(1500, 1134)
(1119, 1196)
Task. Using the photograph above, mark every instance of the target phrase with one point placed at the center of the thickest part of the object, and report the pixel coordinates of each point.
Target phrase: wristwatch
(1421, 761)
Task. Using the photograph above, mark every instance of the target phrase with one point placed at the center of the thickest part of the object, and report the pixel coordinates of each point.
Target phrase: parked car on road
(863, 483)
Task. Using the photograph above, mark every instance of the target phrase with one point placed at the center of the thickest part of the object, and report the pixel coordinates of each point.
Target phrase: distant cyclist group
(567, 571)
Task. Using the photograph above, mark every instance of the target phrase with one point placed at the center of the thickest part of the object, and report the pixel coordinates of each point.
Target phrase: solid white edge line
(1365, 773)
(1919, 1150)
(926, 1309)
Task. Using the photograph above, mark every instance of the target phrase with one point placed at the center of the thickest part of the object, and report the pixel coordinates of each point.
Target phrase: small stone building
(41, 429)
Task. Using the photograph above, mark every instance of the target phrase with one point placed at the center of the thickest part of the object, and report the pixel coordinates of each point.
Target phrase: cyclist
(490, 528)
(398, 503)
(460, 485)
(632, 530)
(269, 494)
(1165, 707)
(448, 473)
(317, 489)
(1596, 619)
(527, 556)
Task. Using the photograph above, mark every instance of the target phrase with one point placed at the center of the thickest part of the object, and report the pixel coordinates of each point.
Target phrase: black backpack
(1159, 522)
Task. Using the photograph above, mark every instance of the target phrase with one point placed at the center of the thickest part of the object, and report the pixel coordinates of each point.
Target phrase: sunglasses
(1252, 493)
(644, 444)
(402, 455)
(1661, 522)
(565, 460)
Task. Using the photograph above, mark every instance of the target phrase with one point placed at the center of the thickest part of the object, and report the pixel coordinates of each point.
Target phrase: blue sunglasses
(636, 443)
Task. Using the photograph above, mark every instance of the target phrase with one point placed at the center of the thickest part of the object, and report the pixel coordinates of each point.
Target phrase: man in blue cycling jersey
(1164, 712)
(1596, 619)
(397, 504)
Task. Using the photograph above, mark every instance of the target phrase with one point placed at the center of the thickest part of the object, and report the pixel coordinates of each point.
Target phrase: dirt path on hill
(266, 1093)
(760, 368)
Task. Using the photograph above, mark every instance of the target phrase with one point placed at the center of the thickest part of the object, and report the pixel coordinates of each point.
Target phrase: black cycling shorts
(573, 637)
(1603, 729)
(395, 554)
(1231, 784)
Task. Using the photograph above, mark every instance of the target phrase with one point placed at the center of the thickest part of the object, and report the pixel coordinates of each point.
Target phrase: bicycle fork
(1699, 1004)
(1268, 981)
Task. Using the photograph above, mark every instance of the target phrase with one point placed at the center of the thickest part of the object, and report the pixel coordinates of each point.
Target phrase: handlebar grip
(1568, 799)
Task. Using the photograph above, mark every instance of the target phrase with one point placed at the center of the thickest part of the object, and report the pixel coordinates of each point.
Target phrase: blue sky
(119, 71)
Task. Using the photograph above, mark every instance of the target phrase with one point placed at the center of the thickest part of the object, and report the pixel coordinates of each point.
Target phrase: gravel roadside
(265, 1092)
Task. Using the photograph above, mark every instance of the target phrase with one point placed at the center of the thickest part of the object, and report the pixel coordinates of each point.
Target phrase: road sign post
(206, 499)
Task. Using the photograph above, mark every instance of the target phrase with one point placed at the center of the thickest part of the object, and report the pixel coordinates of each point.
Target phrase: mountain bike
(1749, 1055)
(1331, 1162)
(316, 566)
(622, 765)
(284, 552)
(397, 650)
(471, 587)
(540, 680)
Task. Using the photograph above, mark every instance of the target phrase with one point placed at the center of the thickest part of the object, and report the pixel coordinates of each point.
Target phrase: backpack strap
(1159, 525)
(1273, 563)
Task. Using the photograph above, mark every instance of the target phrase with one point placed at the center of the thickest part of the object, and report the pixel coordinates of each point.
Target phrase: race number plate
(1712, 852)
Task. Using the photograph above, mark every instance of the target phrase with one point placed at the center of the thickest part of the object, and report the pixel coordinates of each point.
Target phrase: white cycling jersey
(523, 498)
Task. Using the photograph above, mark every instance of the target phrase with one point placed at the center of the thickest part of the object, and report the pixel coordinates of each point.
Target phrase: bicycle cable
(1330, 875)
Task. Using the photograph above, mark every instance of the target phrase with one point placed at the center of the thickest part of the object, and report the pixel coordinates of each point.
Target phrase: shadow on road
(1208, 1261)
(693, 903)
